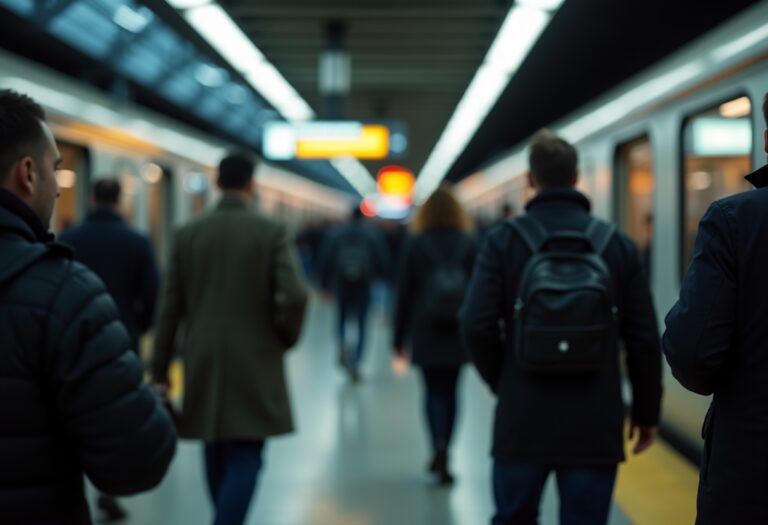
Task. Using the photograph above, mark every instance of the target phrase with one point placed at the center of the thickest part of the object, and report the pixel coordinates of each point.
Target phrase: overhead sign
(331, 139)
(395, 180)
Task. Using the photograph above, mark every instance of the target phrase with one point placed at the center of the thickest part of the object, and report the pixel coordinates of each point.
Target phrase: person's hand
(646, 435)
(399, 362)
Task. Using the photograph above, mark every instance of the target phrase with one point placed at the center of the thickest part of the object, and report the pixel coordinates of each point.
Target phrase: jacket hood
(759, 178)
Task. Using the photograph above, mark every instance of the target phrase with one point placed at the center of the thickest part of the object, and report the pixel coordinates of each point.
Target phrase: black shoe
(439, 466)
(110, 509)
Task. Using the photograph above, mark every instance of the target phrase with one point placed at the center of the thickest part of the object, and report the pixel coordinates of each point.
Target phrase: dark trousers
(232, 468)
(353, 305)
(440, 402)
(585, 493)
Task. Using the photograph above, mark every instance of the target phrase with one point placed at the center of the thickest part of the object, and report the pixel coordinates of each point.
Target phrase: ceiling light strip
(522, 27)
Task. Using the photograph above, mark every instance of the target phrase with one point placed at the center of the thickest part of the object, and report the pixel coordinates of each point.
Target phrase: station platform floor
(359, 455)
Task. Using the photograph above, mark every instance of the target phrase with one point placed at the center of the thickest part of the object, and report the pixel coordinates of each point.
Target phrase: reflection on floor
(360, 453)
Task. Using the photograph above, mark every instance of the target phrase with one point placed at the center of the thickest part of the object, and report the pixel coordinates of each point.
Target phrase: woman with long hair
(434, 271)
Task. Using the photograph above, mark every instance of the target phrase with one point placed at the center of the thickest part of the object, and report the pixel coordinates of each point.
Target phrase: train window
(717, 155)
(72, 178)
(635, 194)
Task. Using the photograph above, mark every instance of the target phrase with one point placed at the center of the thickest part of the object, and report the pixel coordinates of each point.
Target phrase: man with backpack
(352, 256)
(552, 295)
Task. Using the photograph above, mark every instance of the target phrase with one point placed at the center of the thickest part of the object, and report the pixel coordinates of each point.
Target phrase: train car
(658, 150)
(167, 169)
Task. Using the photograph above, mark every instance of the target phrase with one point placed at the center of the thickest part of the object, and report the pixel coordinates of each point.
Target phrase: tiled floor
(358, 456)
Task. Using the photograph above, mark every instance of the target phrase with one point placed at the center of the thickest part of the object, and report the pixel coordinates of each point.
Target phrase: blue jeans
(232, 468)
(440, 396)
(354, 305)
(585, 493)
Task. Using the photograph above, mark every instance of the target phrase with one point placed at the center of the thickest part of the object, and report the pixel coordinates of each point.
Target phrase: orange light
(372, 144)
(368, 207)
(395, 180)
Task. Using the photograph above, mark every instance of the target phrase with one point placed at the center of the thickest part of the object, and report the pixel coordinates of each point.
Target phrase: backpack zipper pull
(518, 307)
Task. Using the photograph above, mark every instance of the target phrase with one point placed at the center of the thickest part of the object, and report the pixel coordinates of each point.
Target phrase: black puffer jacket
(72, 398)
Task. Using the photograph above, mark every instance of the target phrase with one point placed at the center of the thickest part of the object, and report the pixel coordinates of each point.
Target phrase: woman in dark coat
(434, 270)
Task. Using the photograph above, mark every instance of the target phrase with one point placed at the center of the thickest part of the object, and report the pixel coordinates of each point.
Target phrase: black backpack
(354, 264)
(445, 287)
(565, 313)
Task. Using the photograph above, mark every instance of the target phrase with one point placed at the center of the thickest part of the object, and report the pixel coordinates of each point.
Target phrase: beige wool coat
(233, 302)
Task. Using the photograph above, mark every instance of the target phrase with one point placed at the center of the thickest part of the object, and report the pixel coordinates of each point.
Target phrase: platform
(360, 451)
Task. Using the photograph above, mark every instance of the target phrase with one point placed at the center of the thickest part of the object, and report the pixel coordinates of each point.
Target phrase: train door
(72, 178)
(717, 146)
(159, 180)
(634, 201)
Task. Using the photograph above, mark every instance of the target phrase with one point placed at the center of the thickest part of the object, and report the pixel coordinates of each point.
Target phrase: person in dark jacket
(72, 396)
(716, 342)
(441, 250)
(570, 424)
(352, 256)
(123, 259)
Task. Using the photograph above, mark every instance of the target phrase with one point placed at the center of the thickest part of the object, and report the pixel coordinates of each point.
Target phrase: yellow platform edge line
(657, 487)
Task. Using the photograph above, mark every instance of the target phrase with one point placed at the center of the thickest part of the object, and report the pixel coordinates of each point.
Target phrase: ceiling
(411, 60)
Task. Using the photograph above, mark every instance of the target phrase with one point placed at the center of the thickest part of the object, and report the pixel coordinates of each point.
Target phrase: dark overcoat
(545, 419)
(125, 262)
(233, 302)
(716, 342)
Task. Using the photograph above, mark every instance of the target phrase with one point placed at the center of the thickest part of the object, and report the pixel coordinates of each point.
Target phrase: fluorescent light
(186, 4)
(546, 5)
(356, 174)
(130, 20)
(747, 41)
(272, 85)
(740, 107)
(215, 25)
(516, 37)
(522, 27)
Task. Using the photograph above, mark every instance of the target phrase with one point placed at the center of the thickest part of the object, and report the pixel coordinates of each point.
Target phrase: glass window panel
(635, 184)
(717, 145)
(86, 29)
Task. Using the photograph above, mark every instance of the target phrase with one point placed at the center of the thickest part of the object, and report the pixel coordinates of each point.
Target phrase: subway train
(166, 169)
(658, 150)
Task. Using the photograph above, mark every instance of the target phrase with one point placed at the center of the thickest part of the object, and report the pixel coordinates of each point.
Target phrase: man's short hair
(235, 171)
(552, 160)
(21, 130)
(106, 192)
(765, 109)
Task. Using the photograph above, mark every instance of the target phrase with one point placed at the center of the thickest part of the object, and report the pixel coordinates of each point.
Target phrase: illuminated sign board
(327, 140)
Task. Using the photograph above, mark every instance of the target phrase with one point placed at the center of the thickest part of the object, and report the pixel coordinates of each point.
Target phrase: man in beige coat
(234, 301)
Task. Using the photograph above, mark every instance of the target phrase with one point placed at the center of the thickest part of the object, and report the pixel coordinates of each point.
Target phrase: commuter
(434, 272)
(234, 287)
(715, 343)
(543, 332)
(353, 255)
(72, 397)
(124, 260)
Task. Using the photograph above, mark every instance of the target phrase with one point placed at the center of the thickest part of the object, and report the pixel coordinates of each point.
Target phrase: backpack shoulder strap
(531, 231)
(600, 234)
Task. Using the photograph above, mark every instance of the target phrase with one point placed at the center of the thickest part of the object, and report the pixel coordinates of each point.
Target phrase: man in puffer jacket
(72, 397)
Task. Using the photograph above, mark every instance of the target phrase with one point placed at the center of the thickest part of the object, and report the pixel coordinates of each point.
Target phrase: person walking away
(433, 277)
(72, 397)
(551, 296)
(715, 343)
(353, 256)
(234, 298)
(124, 260)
